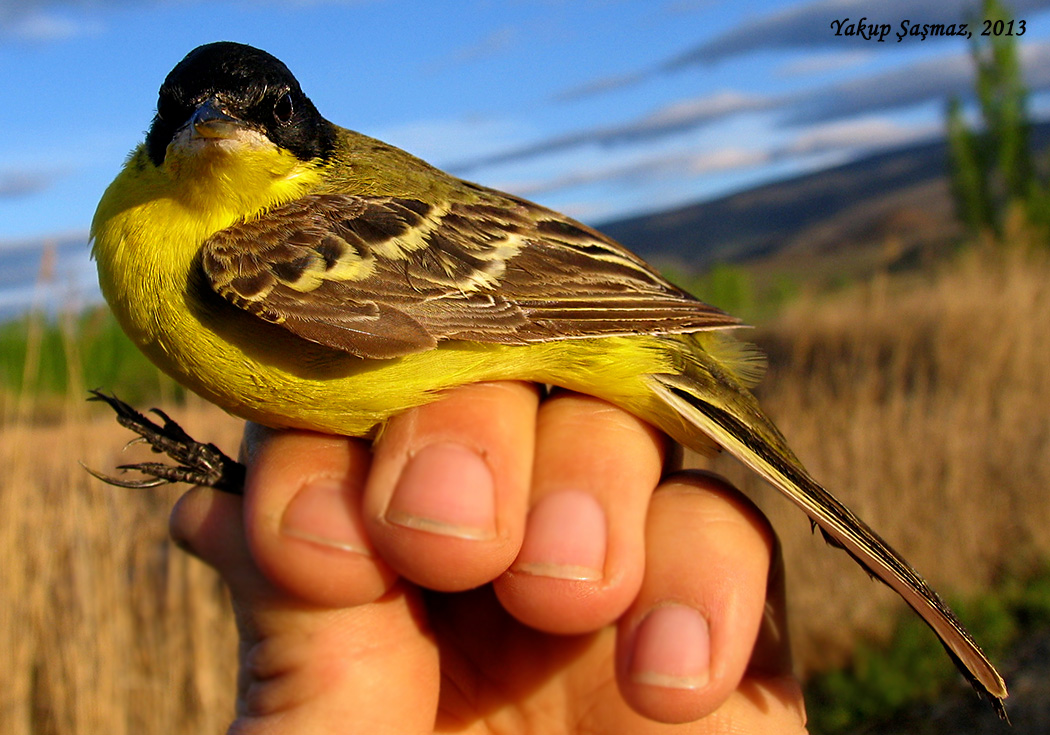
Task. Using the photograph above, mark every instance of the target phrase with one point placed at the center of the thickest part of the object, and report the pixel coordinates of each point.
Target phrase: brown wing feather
(381, 276)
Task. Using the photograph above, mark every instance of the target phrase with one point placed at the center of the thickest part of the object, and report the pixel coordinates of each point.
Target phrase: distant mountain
(762, 221)
(897, 199)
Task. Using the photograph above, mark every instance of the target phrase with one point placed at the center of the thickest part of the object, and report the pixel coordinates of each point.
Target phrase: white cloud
(644, 170)
(670, 119)
(440, 141)
(15, 184)
(728, 159)
(860, 134)
(600, 86)
(823, 63)
(44, 24)
(496, 42)
(691, 111)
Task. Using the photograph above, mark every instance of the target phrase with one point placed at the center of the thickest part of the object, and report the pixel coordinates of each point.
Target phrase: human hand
(612, 608)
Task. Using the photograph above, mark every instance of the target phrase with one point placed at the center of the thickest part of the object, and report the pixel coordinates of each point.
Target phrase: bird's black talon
(198, 464)
(133, 484)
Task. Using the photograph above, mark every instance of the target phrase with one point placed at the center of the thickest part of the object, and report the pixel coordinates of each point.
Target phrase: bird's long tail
(710, 403)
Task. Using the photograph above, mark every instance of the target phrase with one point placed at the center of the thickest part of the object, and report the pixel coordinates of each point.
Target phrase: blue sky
(597, 108)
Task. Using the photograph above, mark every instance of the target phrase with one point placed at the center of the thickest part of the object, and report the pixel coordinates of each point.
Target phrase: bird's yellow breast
(146, 235)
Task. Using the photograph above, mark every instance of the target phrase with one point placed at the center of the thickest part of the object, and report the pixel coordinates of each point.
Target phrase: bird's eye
(167, 109)
(282, 109)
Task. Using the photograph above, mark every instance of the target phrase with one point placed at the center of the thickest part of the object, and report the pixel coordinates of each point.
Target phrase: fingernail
(446, 489)
(566, 538)
(322, 513)
(672, 649)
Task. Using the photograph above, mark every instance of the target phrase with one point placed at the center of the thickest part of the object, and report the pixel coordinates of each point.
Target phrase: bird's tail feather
(737, 425)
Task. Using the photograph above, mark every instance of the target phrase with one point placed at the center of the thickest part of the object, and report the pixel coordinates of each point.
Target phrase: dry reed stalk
(34, 334)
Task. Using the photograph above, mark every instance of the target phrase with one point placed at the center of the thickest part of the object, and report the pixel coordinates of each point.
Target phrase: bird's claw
(198, 463)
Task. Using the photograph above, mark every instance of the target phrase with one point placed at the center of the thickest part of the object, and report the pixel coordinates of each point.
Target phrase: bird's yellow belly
(263, 373)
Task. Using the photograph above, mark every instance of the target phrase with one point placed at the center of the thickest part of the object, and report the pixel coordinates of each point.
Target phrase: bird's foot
(198, 464)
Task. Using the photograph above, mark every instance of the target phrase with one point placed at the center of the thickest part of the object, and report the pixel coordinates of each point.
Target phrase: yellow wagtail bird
(299, 274)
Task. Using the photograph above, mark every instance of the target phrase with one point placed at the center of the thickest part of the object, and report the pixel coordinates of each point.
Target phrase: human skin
(499, 562)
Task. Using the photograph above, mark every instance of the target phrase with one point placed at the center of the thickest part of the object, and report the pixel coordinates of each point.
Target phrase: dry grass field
(924, 403)
(105, 627)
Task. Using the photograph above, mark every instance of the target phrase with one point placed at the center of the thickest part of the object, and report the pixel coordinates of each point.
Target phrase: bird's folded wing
(382, 276)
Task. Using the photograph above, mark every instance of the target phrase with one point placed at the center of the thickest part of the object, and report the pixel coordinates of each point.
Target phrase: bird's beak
(210, 121)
